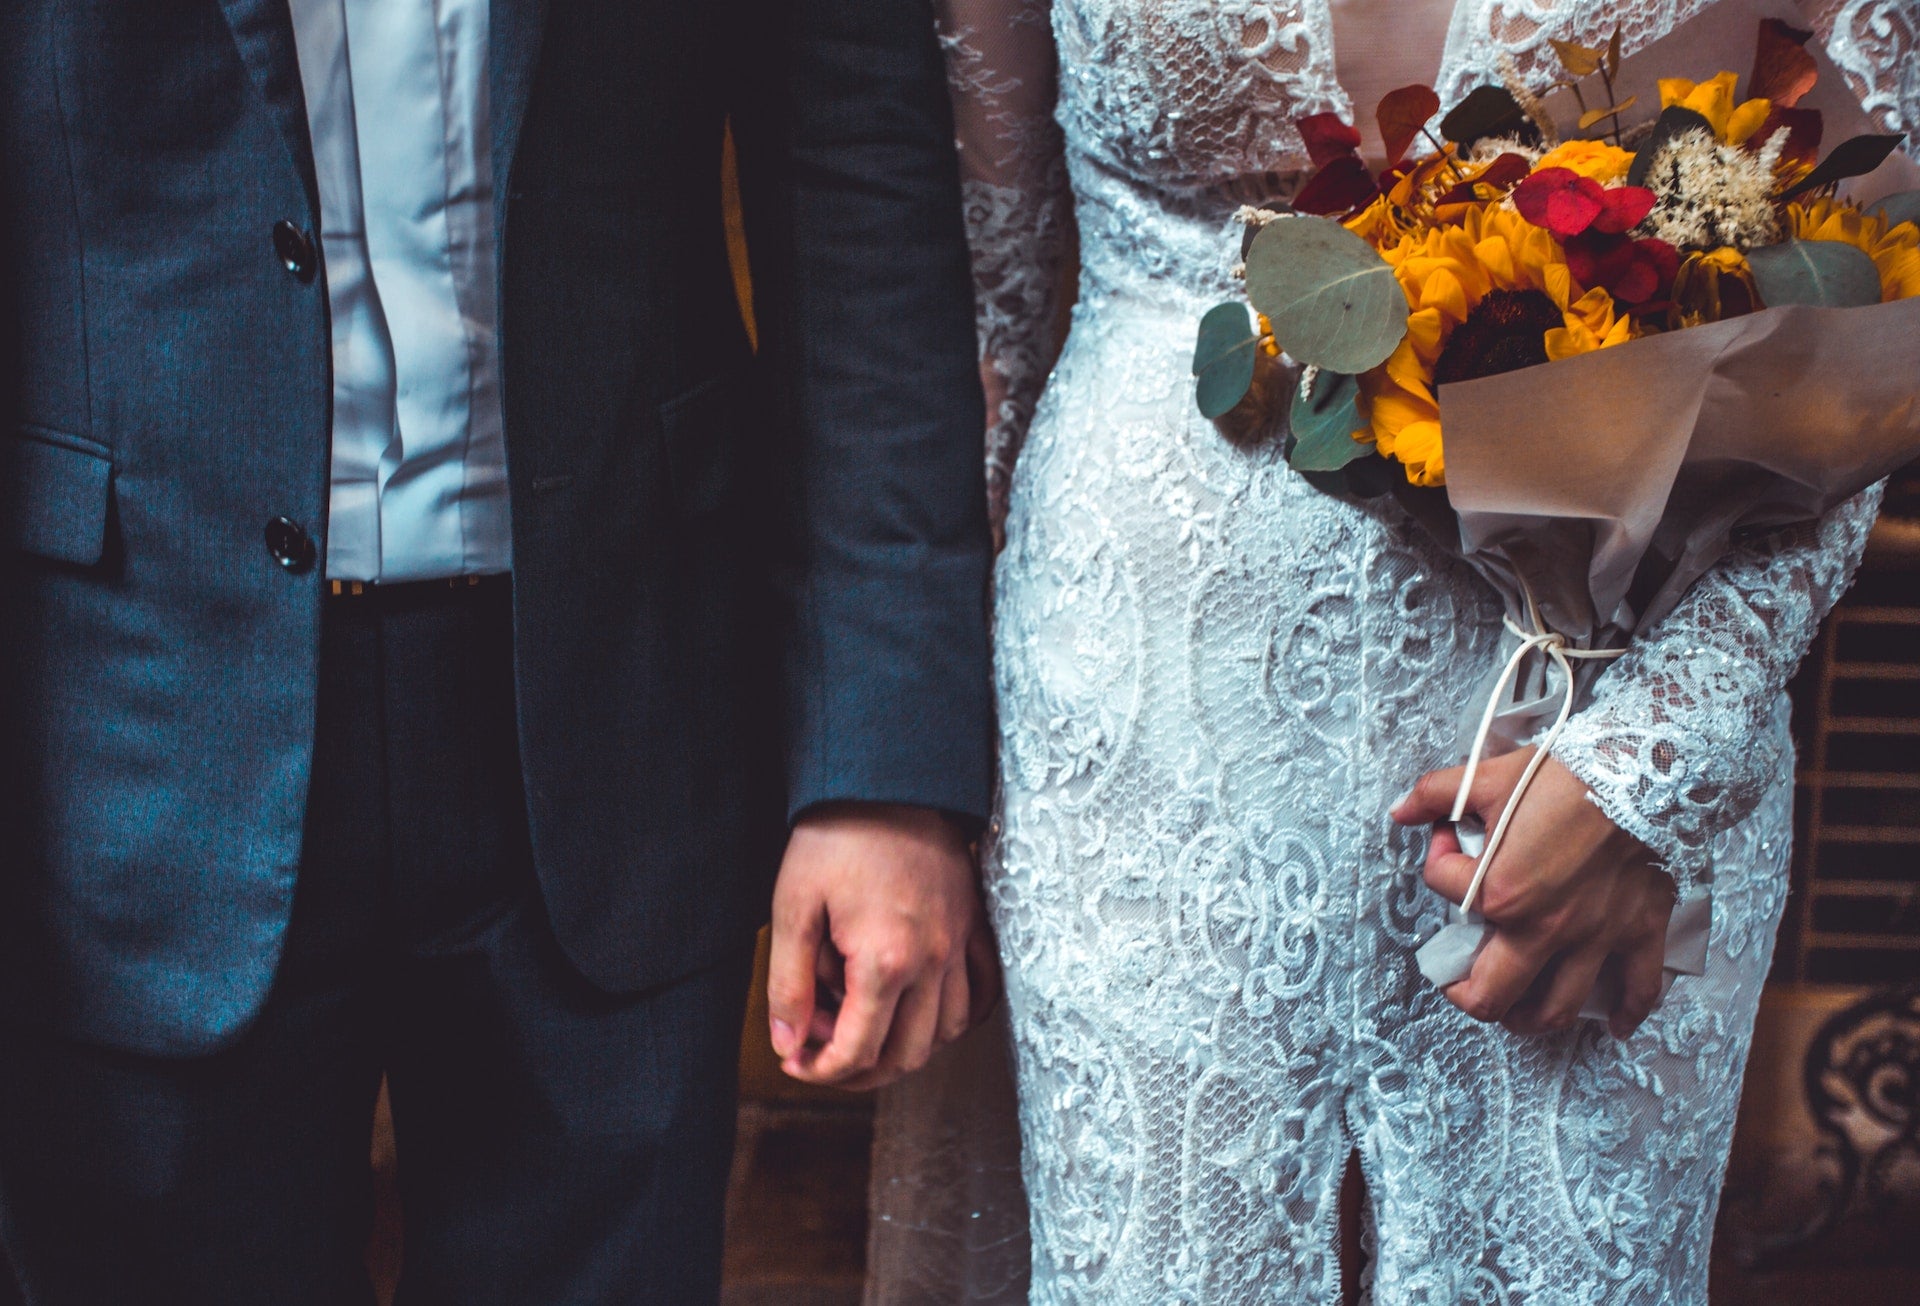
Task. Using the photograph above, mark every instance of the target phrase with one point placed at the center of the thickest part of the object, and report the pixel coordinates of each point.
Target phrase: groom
(424, 620)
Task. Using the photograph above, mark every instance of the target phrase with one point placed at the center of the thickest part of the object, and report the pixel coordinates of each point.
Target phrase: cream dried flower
(1711, 196)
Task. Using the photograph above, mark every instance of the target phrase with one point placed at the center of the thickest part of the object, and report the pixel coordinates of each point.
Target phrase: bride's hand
(1569, 893)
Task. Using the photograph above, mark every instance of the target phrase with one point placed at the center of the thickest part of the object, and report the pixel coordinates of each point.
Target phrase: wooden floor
(797, 1211)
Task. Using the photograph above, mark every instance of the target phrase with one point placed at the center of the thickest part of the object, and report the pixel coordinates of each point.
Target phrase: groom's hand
(880, 946)
(1569, 893)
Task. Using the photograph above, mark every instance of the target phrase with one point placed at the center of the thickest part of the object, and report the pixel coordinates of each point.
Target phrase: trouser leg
(555, 1143)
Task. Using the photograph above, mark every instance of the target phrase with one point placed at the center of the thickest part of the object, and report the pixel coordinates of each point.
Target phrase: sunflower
(1733, 123)
(1488, 296)
(1895, 251)
(1712, 286)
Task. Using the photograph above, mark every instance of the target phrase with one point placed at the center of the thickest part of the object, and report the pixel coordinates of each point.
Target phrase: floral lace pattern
(1214, 681)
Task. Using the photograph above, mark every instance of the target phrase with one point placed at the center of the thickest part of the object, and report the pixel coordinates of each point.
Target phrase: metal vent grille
(1855, 917)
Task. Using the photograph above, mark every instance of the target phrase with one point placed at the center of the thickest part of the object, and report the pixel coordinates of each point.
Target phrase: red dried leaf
(1783, 71)
(1623, 208)
(1340, 187)
(1804, 127)
(1498, 176)
(1585, 256)
(1637, 273)
(1327, 138)
(1401, 115)
(1506, 171)
(1561, 200)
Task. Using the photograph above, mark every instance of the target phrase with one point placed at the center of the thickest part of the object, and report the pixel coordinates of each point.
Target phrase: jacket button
(290, 544)
(295, 248)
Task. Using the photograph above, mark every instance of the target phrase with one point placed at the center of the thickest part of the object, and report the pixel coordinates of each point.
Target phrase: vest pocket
(55, 493)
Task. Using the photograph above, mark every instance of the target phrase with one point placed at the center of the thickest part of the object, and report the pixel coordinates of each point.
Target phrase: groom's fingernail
(782, 1037)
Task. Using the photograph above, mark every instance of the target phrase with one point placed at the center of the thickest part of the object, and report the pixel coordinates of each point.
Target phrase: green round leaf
(1322, 424)
(1333, 301)
(1820, 273)
(1223, 358)
(1896, 209)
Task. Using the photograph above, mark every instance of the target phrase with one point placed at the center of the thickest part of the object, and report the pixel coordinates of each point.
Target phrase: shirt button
(290, 544)
(295, 248)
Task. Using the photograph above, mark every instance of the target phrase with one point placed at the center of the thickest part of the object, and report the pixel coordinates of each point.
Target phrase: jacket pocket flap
(54, 495)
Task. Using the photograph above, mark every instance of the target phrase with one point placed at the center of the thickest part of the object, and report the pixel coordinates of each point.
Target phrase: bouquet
(1591, 339)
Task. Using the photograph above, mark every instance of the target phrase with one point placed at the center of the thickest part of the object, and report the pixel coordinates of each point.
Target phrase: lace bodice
(1167, 114)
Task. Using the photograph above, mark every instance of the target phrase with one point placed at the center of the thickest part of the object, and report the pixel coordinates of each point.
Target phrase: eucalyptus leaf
(1820, 273)
(1674, 121)
(1223, 358)
(1896, 209)
(1850, 158)
(1322, 423)
(1332, 299)
(1487, 111)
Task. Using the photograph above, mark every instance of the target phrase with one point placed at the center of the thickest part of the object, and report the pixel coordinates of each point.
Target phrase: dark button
(289, 544)
(295, 248)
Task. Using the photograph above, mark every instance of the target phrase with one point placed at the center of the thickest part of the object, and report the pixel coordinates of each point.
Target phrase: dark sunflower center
(1505, 332)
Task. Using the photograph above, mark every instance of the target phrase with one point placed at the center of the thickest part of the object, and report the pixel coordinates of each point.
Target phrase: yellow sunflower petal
(1747, 119)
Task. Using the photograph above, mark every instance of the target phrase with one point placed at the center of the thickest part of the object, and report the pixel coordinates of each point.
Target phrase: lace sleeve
(1000, 61)
(1677, 744)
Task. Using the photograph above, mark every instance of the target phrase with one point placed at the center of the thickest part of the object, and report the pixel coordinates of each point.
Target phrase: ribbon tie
(1555, 646)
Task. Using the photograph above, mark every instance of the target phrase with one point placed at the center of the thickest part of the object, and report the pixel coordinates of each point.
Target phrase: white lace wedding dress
(1214, 681)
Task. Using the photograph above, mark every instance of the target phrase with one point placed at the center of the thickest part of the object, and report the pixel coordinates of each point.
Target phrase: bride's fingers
(1642, 977)
(1431, 798)
(1501, 976)
(1433, 794)
(1558, 1005)
(1449, 872)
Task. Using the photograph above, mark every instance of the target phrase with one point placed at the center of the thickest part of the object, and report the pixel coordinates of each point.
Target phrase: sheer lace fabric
(1214, 681)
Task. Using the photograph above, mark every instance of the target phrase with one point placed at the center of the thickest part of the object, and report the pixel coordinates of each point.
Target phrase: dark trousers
(556, 1144)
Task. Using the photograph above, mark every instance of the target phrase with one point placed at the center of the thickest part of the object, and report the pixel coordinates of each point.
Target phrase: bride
(1216, 684)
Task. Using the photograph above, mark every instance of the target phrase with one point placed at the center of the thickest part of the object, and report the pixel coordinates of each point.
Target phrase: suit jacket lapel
(513, 50)
(263, 29)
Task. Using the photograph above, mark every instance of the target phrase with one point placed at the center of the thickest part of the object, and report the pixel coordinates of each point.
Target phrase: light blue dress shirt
(396, 94)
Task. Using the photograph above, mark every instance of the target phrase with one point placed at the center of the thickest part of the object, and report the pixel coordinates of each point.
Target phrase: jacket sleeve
(863, 304)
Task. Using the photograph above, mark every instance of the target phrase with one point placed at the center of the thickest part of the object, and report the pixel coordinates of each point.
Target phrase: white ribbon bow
(1555, 646)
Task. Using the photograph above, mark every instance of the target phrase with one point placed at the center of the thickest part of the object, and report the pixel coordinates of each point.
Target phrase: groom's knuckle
(892, 960)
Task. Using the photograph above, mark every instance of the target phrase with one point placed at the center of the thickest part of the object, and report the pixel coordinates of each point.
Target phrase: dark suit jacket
(687, 516)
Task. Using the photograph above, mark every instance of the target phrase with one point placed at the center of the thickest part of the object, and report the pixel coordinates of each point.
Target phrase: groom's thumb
(797, 934)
